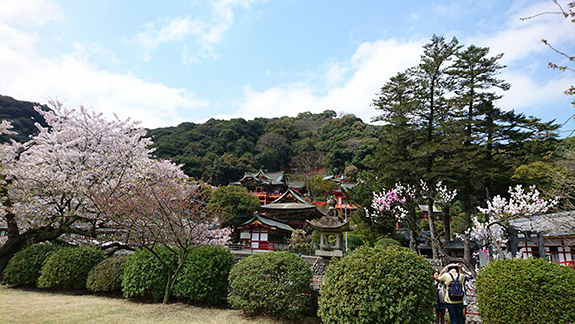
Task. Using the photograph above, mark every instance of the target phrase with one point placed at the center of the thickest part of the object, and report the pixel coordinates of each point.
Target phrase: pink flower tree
(401, 202)
(500, 211)
(398, 203)
(72, 176)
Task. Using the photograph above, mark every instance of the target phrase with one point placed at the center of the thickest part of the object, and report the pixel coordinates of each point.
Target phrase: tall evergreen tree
(434, 111)
(474, 77)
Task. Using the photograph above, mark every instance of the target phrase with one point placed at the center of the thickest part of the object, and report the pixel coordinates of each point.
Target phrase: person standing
(454, 292)
(440, 303)
(468, 276)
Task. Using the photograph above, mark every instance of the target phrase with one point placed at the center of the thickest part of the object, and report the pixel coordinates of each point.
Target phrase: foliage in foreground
(274, 283)
(384, 284)
(107, 275)
(68, 268)
(145, 276)
(526, 291)
(24, 267)
(204, 277)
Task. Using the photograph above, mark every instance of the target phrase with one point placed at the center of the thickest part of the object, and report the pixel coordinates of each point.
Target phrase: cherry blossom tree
(522, 203)
(444, 198)
(71, 176)
(400, 203)
(160, 206)
(51, 178)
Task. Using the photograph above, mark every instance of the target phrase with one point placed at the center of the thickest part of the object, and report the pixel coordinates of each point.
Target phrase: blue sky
(166, 62)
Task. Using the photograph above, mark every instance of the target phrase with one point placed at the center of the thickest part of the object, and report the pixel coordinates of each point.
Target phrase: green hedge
(24, 267)
(107, 275)
(273, 283)
(68, 268)
(204, 277)
(387, 241)
(526, 291)
(145, 276)
(384, 284)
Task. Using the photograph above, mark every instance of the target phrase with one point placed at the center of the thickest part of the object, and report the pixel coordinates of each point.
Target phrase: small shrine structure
(331, 232)
(265, 233)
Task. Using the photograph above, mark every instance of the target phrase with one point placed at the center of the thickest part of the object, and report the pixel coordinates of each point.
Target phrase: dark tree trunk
(430, 218)
(11, 247)
(467, 225)
(446, 224)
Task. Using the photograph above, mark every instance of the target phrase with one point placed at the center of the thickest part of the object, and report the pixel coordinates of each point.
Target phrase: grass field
(22, 306)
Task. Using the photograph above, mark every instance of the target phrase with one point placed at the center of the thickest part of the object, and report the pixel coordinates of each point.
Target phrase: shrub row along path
(21, 306)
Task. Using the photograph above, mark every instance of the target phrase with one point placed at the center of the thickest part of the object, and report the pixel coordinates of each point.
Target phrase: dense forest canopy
(22, 115)
(221, 151)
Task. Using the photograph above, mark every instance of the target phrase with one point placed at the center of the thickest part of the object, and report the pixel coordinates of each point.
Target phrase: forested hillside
(22, 115)
(223, 150)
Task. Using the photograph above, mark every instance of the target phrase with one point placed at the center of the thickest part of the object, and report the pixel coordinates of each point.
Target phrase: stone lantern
(331, 232)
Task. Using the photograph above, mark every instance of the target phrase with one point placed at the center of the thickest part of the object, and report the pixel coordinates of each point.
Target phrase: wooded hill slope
(221, 151)
(22, 115)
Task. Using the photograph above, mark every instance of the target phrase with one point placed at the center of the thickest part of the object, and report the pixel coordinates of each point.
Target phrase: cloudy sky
(166, 62)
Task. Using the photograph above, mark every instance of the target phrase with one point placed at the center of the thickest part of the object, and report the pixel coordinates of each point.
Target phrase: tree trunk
(446, 224)
(467, 225)
(169, 287)
(11, 247)
(412, 240)
(430, 219)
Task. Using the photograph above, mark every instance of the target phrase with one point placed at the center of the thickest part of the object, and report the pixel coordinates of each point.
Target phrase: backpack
(455, 289)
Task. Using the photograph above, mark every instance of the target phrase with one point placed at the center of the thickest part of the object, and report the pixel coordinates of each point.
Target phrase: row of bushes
(203, 279)
(384, 284)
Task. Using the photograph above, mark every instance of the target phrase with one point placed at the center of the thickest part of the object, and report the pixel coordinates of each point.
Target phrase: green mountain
(221, 151)
(22, 115)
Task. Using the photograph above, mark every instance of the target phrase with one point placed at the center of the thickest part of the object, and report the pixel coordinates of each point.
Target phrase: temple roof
(290, 200)
(261, 177)
(550, 225)
(267, 222)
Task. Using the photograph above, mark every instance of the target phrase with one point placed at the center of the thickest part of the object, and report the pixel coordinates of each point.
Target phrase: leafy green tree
(235, 202)
(318, 187)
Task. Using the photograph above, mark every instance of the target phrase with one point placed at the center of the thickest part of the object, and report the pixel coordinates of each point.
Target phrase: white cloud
(351, 85)
(520, 39)
(29, 75)
(370, 67)
(76, 82)
(206, 33)
(29, 12)
(533, 96)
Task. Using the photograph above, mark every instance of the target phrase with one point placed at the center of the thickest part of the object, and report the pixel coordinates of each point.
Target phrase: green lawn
(21, 306)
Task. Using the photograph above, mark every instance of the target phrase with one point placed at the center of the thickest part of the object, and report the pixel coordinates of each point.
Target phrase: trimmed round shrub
(272, 283)
(24, 267)
(68, 268)
(387, 241)
(526, 291)
(107, 275)
(384, 284)
(204, 276)
(145, 276)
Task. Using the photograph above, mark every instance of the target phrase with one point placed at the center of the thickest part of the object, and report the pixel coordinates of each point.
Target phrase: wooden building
(265, 233)
(292, 208)
(557, 235)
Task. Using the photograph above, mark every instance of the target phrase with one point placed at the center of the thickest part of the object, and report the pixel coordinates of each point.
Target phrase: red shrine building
(272, 228)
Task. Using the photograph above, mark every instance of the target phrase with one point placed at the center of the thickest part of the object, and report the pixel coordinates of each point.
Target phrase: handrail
(567, 263)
